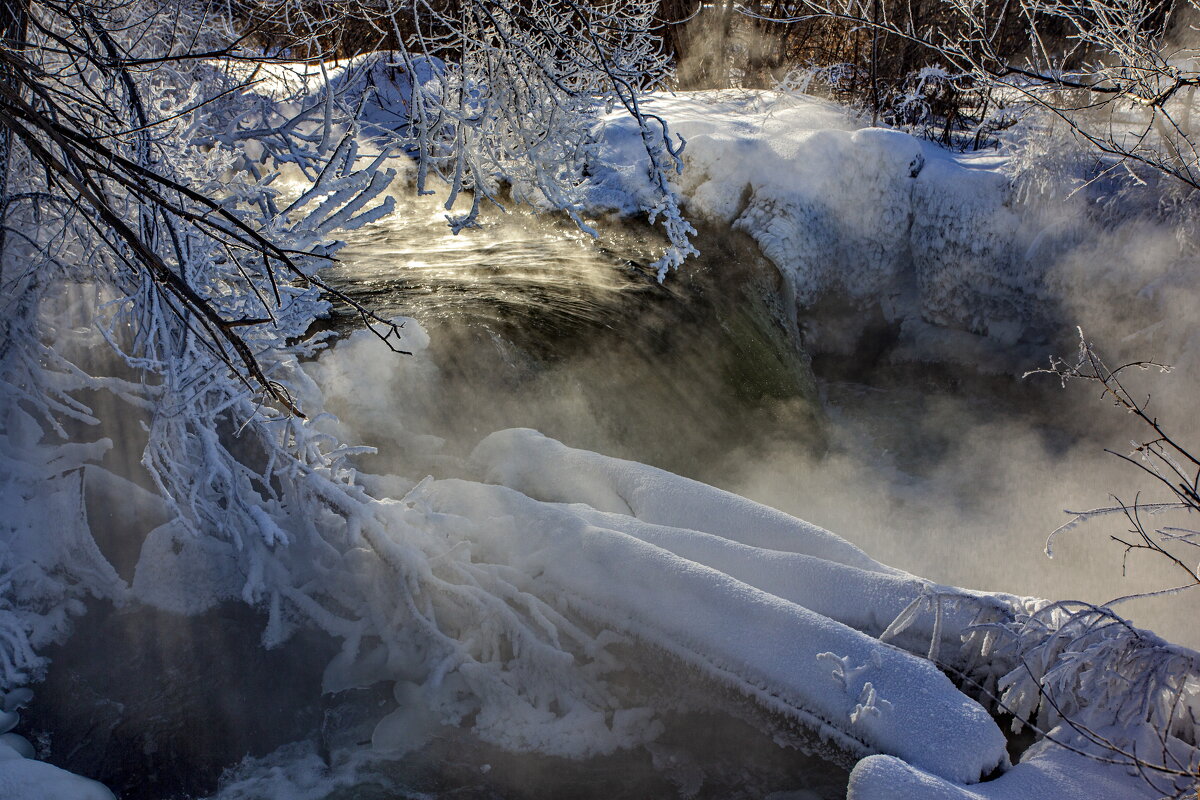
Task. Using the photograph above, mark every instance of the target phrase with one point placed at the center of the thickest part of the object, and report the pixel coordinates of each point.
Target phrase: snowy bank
(868, 213)
(1051, 772)
(945, 247)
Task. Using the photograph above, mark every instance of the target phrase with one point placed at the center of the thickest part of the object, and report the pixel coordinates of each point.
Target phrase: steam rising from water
(534, 326)
(947, 471)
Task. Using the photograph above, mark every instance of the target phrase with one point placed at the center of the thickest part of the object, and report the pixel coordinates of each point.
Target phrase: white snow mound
(26, 779)
(657, 557)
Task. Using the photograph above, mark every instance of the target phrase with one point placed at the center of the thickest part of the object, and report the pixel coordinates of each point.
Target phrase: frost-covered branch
(1159, 455)
(171, 196)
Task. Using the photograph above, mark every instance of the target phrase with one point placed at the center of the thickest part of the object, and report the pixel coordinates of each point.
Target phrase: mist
(921, 443)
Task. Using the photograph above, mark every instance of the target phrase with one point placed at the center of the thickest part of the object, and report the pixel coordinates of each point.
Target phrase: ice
(755, 544)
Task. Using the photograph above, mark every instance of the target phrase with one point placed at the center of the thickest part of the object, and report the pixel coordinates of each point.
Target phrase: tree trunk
(13, 18)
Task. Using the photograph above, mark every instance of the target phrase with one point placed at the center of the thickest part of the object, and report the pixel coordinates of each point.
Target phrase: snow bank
(1046, 771)
(867, 214)
(25, 779)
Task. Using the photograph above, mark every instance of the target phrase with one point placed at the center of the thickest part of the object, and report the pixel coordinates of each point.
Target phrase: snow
(548, 470)
(761, 645)
(27, 779)
(49, 559)
(293, 772)
(873, 215)
(185, 574)
(23, 777)
(626, 573)
(755, 544)
(1047, 770)
(380, 80)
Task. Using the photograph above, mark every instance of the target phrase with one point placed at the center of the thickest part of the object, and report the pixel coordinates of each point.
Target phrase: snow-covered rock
(778, 610)
(863, 695)
(876, 217)
(26, 779)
